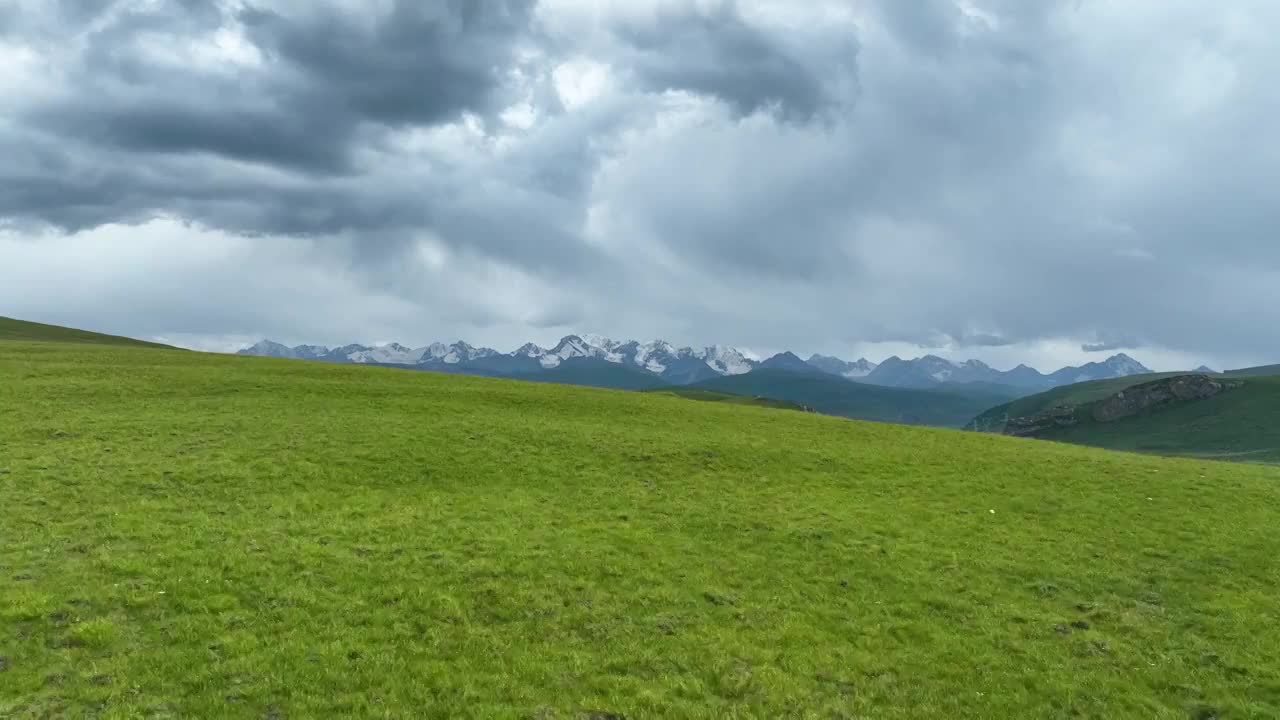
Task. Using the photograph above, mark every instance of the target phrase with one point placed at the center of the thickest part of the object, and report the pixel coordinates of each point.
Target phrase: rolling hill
(11, 329)
(195, 535)
(1239, 423)
(993, 419)
(831, 395)
(1264, 371)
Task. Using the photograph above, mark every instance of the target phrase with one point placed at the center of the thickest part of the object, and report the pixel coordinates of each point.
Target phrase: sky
(1043, 182)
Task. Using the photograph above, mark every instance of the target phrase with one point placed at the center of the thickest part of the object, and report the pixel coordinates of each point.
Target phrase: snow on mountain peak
(530, 350)
(310, 352)
(570, 346)
(727, 360)
(268, 348)
(601, 342)
(1124, 366)
(392, 354)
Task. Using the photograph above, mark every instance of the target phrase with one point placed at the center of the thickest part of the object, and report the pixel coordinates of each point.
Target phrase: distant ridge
(1221, 416)
(14, 329)
(687, 365)
(787, 361)
(660, 359)
(933, 371)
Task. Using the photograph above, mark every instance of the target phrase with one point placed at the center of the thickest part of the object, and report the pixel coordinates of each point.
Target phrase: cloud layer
(988, 177)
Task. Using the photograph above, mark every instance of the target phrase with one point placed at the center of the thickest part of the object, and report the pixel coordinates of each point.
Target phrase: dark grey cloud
(417, 63)
(714, 51)
(1102, 347)
(132, 136)
(989, 176)
(327, 72)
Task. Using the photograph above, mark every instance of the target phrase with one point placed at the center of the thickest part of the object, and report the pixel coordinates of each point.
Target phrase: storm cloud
(986, 178)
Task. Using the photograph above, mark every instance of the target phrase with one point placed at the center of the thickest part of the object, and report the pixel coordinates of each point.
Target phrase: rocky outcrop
(1033, 425)
(1127, 403)
(1159, 393)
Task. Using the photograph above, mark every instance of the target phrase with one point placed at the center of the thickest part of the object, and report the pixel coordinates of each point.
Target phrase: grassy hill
(1266, 370)
(192, 535)
(992, 419)
(11, 329)
(833, 395)
(1240, 424)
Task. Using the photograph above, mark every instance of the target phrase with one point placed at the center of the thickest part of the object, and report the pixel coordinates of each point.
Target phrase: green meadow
(1241, 424)
(189, 535)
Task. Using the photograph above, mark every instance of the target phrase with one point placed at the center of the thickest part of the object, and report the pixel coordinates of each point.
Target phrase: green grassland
(11, 329)
(1241, 424)
(191, 535)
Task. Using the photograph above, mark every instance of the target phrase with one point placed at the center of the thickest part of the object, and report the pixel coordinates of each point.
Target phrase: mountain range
(932, 371)
(660, 360)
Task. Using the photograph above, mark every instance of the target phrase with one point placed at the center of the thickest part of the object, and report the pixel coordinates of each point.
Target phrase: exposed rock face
(1032, 425)
(1132, 401)
(1158, 393)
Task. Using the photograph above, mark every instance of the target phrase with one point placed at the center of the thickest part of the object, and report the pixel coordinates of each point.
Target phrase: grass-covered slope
(1264, 371)
(833, 395)
(12, 330)
(993, 419)
(188, 535)
(1240, 424)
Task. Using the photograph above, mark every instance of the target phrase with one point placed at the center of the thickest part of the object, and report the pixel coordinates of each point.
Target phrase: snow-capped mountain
(393, 354)
(1116, 366)
(686, 365)
(389, 354)
(727, 361)
(931, 371)
(267, 348)
(678, 365)
(852, 370)
(658, 357)
(530, 351)
(573, 346)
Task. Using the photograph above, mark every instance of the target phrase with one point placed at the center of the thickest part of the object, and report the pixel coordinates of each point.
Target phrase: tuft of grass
(98, 633)
(190, 535)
